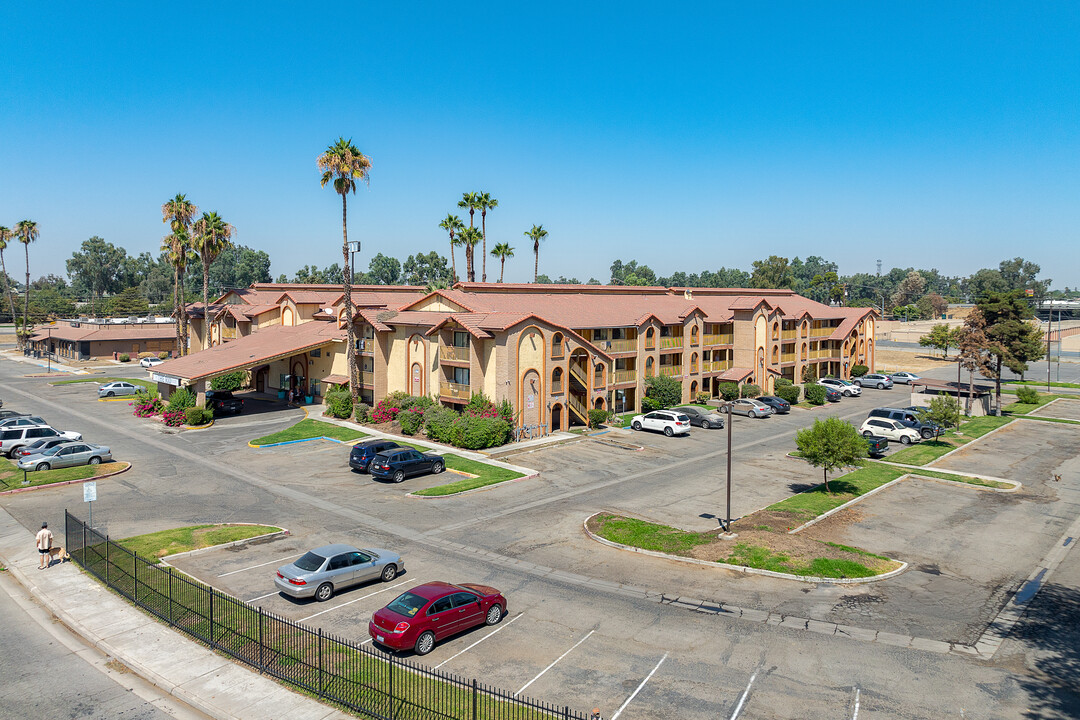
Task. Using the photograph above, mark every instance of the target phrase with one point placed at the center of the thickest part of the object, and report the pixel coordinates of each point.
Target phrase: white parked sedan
(149, 362)
(891, 429)
(117, 387)
(668, 422)
(845, 387)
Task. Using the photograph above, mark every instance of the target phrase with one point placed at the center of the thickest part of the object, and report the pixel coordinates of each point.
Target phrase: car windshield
(407, 604)
(844, 382)
(53, 450)
(310, 562)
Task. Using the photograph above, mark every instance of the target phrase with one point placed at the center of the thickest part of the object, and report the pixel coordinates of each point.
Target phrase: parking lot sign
(89, 491)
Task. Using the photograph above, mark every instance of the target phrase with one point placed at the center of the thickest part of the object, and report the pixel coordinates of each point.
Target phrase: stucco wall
(437, 303)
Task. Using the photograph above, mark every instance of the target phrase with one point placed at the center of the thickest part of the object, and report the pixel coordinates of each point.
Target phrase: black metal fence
(334, 669)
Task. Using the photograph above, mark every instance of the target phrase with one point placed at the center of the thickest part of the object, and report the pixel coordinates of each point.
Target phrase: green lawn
(102, 380)
(1049, 419)
(1038, 383)
(307, 429)
(647, 535)
(193, 537)
(746, 555)
(11, 477)
(485, 475)
(977, 427)
(1019, 408)
(816, 500)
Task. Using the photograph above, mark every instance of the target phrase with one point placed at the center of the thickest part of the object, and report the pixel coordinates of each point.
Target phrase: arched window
(693, 362)
(556, 380)
(776, 355)
(650, 339)
(805, 328)
(693, 390)
(598, 375)
(599, 403)
(557, 346)
(776, 331)
(694, 335)
(804, 355)
(649, 372)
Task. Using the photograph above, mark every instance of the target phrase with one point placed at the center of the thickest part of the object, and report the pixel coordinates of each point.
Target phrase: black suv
(397, 464)
(222, 402)
(908, 419)
(362, 452)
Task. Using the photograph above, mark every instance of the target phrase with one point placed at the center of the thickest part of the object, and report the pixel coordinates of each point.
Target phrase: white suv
(846, 387)
(13, 438)
(891, 429)
(667, 421)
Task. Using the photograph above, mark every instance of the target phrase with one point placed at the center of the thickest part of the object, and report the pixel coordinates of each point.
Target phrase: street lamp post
(48, 350)
(727, 521)
(354, 247)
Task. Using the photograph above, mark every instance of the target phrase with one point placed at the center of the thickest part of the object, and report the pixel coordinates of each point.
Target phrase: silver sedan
(67, 455)
(750, 408)
(323, 571)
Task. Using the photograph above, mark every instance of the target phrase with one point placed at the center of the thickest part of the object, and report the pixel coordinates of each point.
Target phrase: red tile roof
(735, 374)
(104, 333)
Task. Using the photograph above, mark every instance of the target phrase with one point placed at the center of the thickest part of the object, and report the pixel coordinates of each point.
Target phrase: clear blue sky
(930, 134)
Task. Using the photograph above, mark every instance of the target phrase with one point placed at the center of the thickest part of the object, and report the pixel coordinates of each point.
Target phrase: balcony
(671, 342)
(455, 391)
(694, 340)
(787, 357)
(620, 346)
(720, 339)
(365, 377)
(451, 353)
(624, 376)
(671, 370)
(821, 332)
(715, 366)
(367, 346)
(788, 334)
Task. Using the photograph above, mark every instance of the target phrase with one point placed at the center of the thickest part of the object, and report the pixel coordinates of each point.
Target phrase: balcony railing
(695, 340)
(715, 366)
(365, 377)
(821, 332)
(788, 334)
(671, 342)
(557, 386)
(671, 370)
(617, 346)
(624, 376)
(787, 357)
(452, 353)
(720, 339)
(457, 391)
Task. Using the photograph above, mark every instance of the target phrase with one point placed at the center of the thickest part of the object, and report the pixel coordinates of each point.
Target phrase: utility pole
(1049, 327)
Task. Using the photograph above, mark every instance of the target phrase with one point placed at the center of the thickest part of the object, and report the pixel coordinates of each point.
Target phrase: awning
(335, 380)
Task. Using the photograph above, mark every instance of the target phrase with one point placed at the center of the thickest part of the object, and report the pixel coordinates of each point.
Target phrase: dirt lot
(891, 359)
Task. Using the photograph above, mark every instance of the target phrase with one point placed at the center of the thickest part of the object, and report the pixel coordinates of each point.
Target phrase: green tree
(830, 444)
(344, 165)
(663, 391)
(973, 352)
(941, 336)
(384, 270)
(986, 281)
(179, 213)
(453, 225)
(944, 410)
(212, 236)
(27, 232)
(239, 267)
(636, 275)
(430, 269)
(910, 289)
(502, 251)
(486, 203)
(97, 269)
(128, 301)
(773, 272)
(5, 237)
(470, 238)
(536, 234)
(470, 201)
(1014, 340)
(1019, 274)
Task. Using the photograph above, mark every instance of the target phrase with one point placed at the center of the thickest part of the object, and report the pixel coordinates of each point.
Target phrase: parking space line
(510, 622)
(855, 716)
(634, 694)
(272, 562)
(350, 602)
(553, 664)
(262, 597)
(746, 692)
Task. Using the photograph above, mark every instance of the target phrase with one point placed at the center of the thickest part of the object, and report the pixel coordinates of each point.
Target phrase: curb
(283, 532)
(471, 490)
(199, 427)
(121, 398)
(66, 482)
(293, 442)
(743, 569)
(848, 504)
(969, 442)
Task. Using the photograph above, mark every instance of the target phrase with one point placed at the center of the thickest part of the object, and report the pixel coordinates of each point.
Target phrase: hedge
(339, 404)
(750, 390)
(597, 417)
(230, 381)
(859, 370)
(815, 394)
(790, 393)
(729, 391)
(198, 415)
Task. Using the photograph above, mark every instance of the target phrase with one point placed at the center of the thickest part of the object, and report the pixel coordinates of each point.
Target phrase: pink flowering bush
(174, 418)
(148, 408)
(384, 412)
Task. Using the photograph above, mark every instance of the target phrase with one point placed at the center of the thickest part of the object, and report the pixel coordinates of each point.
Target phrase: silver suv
(881, 382)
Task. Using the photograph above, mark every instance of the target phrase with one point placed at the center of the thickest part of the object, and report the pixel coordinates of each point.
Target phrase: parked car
(877, 445)
(890, 429)
(321, 572)
(149, 362)
(399, 463)
(903, 377)
(910, 419)
(780, 406)
(222, 402)
(11, 439)
(434, 611)
(39, 446)
(66, 455)
(750, 408)
(881, 382)
(669, 422)
(832, 394)
(22, 421)
(118, 387)
(362, 453)
(702, 417)
(846, 387)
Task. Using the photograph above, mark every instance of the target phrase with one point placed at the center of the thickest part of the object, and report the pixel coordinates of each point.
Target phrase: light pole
(725, 522)
(354, 247)
(48, 350)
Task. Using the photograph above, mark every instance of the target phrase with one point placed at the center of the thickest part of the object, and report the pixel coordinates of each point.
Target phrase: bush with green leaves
(663, 390)
(701, 398)
(338, 404)
(163, 355)
(750, 390)
(729, 391)
(859, 370)
(196, 415)
(944, 410)
(597, 417)
(790, 393)
(809, 373)
(411, 420)
(180, 400)
(1028, 396)
(781, 381)
(815, 394)
(648, 405)
(229, 381)
(124, 357)
(362, 413)
(439, 423)
(477, 433)
(399, 399)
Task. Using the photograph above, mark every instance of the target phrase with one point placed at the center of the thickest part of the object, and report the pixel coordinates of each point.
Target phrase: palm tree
(178, 213)
(469, 201)
(212, 237)
(6, 236)
(452, 224)
(470, 238)
(27, 231)
(344, 164)
(502, 251)
(537, 234)
(486, 203)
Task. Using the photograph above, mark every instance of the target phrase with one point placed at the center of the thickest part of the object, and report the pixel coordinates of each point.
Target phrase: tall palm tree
(179, 212)
(343, 164)
(502, 251)
(470, 238)
(27, 231)
(486, 203)
(452, 224)
(536, 234)
(212, 237)
(5, 237)
(470, 201)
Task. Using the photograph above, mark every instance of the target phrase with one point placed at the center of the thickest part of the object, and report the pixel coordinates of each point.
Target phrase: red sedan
(433, 611)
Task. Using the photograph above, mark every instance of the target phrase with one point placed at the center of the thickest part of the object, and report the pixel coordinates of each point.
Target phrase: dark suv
(908, 419)
(399, 463)
(222, 402)
(362, 452)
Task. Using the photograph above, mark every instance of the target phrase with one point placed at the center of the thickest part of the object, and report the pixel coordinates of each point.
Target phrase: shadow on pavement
(1051, 630)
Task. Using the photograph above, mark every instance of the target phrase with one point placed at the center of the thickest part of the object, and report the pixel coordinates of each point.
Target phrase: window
(317, 352)
(461, 339)
(440, 605)
(313, 387)
(339, 562)
(461, 376)
(462, 599)
(556, 380)
(600, 334)
(618, 333)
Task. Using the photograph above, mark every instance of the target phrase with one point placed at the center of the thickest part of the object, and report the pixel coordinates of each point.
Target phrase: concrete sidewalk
(177, 665)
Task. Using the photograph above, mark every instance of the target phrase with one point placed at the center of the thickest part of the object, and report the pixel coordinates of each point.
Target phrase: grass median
(308, 429)
(485, 473)
(817, 500)
(11, 477)
(193, 537)
(146, 384)
(930, 450)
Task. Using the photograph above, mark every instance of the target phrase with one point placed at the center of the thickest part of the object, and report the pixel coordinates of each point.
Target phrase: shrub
(399, 399)
(363, 412)
(147, 404)
(163, 355)
(729, 391)
(439, 423)
(781, 381)
(181, 400)
(339, 404)
(859, 370)
(476, 433)
(124, 357)
(173, 418)
(1027, 395)
(702, 398)
(597, 417)
(146, 355)
(198, 415)
(384, 412)
(411, 420)
(665, 391)
(815, 394)
(506, 411)
(750, 390)
(231, 381)
(809, 373)
(789, 392)
(944, 410)
(648, 404)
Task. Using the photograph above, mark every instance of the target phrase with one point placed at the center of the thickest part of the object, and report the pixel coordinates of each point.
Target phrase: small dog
(58, 553)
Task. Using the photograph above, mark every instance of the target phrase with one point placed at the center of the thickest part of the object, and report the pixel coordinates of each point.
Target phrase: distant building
(87, 339)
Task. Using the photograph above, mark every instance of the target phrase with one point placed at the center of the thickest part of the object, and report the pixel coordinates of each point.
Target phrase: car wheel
(109, 394)
(389, 572)
(927, 433)
(325, 592)
(93, 461)
(425, 643)
(751, 414)
(436, 468)
(905, 440)
(636, 426)
(849, 393)
(399, 476)
(867, 433)
(881, 386)
(42, 466)
(494, 615)
(668, 431)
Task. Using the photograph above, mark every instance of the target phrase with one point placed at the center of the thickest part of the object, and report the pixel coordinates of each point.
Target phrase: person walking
(44, 545)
